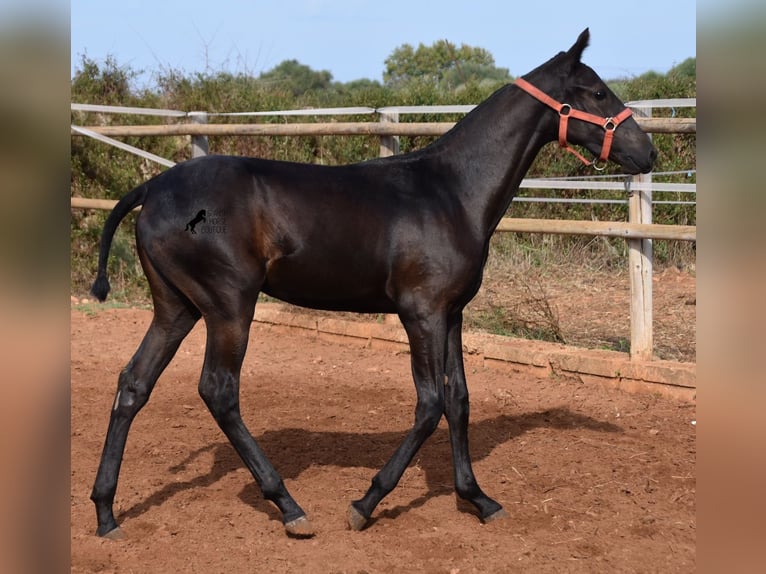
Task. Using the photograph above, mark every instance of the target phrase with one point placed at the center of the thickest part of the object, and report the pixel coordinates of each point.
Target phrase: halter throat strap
(566, 111)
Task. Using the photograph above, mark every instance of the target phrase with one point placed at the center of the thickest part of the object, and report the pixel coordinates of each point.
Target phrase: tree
(686, 69)
(442, 64)
(108, 83)
(292, 76)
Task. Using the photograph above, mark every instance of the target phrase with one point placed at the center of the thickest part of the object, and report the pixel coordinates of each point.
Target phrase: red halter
(566, 111)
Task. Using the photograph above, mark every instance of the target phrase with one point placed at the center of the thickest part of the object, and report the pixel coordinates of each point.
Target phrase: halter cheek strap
(566, 111)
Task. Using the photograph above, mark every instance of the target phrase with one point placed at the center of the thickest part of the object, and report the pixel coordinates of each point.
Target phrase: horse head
(589, 113)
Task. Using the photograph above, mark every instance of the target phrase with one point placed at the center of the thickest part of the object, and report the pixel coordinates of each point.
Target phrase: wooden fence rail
(388, 128)
(516, 225)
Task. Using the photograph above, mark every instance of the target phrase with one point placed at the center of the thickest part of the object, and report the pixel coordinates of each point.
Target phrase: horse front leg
(456, 410)
(427, 336)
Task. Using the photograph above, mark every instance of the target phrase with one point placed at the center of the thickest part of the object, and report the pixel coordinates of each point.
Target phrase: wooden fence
(386, 128)
(639, 231)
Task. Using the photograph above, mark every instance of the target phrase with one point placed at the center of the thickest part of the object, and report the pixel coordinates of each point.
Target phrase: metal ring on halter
(598, 167)
(610, 125)
(566, 107)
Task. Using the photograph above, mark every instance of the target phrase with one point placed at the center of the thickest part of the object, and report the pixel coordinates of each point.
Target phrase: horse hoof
(115, 534)
(498, 515)
(300, 528)
(355, 519)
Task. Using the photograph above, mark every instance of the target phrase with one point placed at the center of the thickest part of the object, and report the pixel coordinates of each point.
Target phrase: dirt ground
(594, 479)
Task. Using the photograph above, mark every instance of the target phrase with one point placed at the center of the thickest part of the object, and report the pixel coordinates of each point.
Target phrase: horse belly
(324, 284)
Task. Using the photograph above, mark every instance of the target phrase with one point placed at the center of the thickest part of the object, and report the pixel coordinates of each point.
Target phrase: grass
(619, 344)
(534, 316)
(91, 308)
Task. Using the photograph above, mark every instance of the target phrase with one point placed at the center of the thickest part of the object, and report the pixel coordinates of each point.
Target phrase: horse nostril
(653, 154)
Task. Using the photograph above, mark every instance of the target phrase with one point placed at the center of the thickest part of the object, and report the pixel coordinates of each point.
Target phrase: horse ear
(575, 52)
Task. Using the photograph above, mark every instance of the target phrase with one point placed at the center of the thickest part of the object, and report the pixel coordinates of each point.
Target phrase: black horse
(407, 234)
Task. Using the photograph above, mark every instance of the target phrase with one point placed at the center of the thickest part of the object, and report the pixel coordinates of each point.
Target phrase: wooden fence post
(389, 145)
(199, 144)
(640, 261)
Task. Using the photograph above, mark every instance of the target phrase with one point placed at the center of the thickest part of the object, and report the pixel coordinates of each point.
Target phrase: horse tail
(127, 204)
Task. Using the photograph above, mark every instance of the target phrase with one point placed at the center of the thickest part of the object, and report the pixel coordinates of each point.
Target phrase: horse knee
(456, 393)
(432, 421)
(457, 412)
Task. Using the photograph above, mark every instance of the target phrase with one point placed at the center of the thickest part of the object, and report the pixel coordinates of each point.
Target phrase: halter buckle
(610, 124)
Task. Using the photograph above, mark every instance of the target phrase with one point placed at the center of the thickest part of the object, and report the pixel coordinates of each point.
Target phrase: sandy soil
(594, 479)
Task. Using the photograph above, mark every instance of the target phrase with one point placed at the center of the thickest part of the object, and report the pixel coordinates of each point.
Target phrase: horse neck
(491, 150)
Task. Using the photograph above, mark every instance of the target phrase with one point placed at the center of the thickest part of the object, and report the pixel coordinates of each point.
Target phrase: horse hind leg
(173, 319)
(219, 388)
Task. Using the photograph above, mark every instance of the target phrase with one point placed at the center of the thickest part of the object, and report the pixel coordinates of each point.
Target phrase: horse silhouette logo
(199, 218)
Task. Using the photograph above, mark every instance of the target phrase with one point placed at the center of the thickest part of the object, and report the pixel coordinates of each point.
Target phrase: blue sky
(352, 39)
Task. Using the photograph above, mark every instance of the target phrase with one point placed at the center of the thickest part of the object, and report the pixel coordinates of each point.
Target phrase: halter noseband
(566, 111)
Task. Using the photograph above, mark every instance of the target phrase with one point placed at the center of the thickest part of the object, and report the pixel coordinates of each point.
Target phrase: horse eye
(600, 94)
